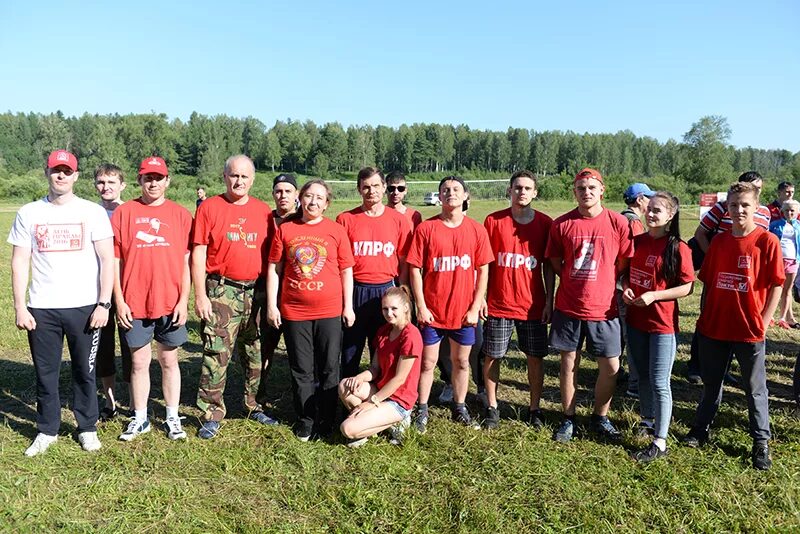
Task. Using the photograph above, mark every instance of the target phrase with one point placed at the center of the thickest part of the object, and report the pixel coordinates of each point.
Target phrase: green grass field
(256, 479)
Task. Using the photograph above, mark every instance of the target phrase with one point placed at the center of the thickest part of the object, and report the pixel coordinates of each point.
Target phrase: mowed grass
(256, 479)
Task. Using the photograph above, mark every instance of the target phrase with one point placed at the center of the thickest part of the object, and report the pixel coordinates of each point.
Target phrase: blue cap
(634, 190)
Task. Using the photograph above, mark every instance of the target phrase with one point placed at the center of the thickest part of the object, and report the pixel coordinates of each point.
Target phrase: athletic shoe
(356, 443)
(536, 419)
(262, 418)
(107, 414)
(446, 396)
(134, 429)
(208, 430)
(565, 431)
(695, 438)
(40, 444)
(482, 398)
(602, 426)
(421, 421)
(174, 428)
(647, 455)
(303, 432)
(760, 455)
(461, 415)
(397, 431)
(89, 441)
(643, 430)
(492, 418)
(694, 379)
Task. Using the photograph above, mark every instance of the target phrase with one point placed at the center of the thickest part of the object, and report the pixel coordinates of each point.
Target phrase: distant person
(380, 239)
(717, 221)
(519, 293)
(228, 270)
(151, 291)
(284, 192)
(110, 183)
(588, 248)
(397, 189)
(69, 243)
(787, 230)
(316, 289)
(384, 394)
(785, 192)
(743, 275)
(660, 273)
(449, 267)
(201, 196)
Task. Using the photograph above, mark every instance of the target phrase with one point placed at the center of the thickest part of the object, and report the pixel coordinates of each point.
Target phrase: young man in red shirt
(520, 292)
(742, 274)
(396, 190)
(380, 238)
(229, 242)
(588, 248)
(151, 291)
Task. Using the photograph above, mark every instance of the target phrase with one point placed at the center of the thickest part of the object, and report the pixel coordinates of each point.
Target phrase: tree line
(198, 147)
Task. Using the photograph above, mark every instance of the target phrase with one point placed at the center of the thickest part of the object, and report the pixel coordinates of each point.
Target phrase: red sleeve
(276, 248)
(188, 224)
(686, 272)
(416, 219)
(411, 345)
(707, 269)
(484, 254)
(772, 263)
(115, 222)
(711, 219)
(416, 250)
(201, 227)
(407, 230)
(637, 228)
(344, 250)
(554, 246)
(626, 241)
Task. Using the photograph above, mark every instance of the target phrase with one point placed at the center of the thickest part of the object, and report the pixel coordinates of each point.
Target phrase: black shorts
(602, 337)
(531, 336)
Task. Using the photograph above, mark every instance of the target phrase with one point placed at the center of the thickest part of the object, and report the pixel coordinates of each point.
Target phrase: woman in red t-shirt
(384, 394)
(660, 273)
(312, 262)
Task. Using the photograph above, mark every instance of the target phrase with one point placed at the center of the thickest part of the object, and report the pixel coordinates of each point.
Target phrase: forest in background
(195, 151)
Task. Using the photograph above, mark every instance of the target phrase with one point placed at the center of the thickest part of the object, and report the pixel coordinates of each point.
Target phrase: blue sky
(653, 68)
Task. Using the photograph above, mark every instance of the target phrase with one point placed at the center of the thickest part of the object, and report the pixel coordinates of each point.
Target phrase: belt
(244, 284)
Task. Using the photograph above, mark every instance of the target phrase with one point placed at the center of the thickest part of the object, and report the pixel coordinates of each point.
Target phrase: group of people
(381, 278)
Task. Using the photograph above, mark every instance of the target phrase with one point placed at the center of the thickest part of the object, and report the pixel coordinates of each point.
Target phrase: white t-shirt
(788, 247)
(65, 267)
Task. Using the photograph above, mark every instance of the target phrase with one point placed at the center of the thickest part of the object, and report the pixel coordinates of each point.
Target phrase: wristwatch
(374, 400)
(106, 305)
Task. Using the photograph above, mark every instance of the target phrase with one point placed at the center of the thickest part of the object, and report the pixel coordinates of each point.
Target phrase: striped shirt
(718, 220)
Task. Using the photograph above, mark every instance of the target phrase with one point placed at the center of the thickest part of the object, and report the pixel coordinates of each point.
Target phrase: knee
(347, 428)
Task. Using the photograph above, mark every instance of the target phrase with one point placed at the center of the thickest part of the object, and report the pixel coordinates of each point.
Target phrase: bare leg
(170, 374)
(108, 391)
(491, 376)
(370, 422)
(459, 355)
(430, 354)
(568, 379)
(535, 380)
(351, 399)
(140, 377)
(606, 382)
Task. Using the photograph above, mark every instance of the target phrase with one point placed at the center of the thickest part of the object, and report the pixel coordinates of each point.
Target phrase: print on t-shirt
(373, 248)
(585, 266)
(59, 237)
(451, 263)
(515, 261)
(308, 256)
(237, 234)
(150, 236)
(641, 278)
(733, 282)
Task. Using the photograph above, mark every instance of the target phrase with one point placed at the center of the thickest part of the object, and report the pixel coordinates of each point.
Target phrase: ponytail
(671, 264)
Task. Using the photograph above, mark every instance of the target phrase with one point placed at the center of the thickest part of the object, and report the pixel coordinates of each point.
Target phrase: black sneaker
(107, 414)
(602, 426)
(421, 421)
(461, 415)
(760, 455)
(536, 419)
(643, 430)
(492, 419)
(695, 438)
(565, 431)
(303, 433)
(694, 379)
(647, 455)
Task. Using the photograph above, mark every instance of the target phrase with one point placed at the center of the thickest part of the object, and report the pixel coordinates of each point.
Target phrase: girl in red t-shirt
(660, 272)
(384, 394)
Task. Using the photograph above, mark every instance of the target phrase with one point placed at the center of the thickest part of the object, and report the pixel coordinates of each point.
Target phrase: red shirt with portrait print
(589, 248)
(646, 274)
(449, 258)
(313, 257)
(389, 353)
(738, 273)
(235, 234)
(378, 243)
(516, 287)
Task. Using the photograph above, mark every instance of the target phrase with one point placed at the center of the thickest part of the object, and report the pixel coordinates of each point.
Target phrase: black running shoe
(647, 455)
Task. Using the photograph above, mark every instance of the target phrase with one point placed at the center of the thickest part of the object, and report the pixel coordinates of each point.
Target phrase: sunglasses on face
(399, 188)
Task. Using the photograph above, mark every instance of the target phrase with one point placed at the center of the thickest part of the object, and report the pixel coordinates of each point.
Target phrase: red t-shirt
(738, 272)
(414, 216)
(516, 288)
(314, 256)
(151, 243)
(378, 243)
(408, 343)
(646, 274)
(236, 236)
(589, 248)
(449, 259)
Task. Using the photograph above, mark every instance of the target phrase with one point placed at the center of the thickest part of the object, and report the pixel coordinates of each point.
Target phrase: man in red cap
(69, 242)
(151, 290)
(588, 247)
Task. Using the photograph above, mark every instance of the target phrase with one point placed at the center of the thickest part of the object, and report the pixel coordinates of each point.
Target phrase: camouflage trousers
(235, 323)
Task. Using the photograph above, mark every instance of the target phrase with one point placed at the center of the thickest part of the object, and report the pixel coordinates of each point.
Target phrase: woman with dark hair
(660, 273)
(311, 261)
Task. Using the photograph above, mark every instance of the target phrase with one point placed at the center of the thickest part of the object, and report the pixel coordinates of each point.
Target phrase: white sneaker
(446, 395)
(89, 441)
(174, 428)
(356, 443)
(40, 444)
(134, 429)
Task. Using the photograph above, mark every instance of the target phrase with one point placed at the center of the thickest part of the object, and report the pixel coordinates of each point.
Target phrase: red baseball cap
(588, 173)
(62, 157)
(153, 165)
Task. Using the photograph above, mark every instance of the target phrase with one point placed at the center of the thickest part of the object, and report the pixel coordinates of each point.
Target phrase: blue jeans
(654, 355)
